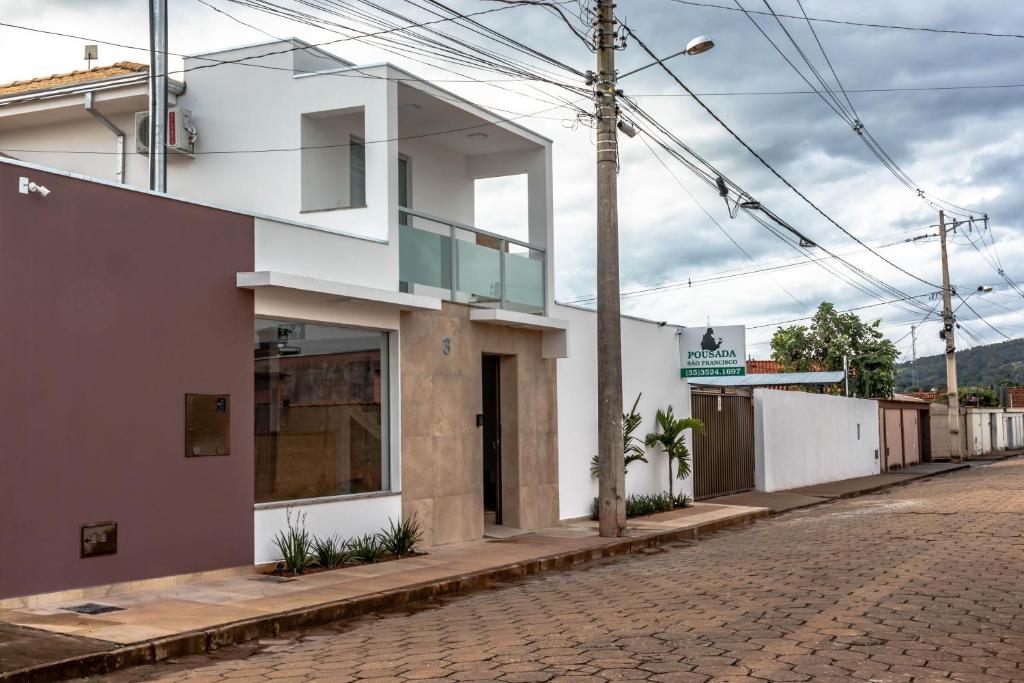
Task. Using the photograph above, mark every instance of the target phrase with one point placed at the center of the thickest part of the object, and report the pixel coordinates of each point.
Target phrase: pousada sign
(713, 351)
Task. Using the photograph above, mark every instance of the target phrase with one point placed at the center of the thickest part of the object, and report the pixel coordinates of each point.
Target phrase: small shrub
(402, 538)
(639, 504)
(295, 543)
(366, 548)
(682, 500)
(331, 551)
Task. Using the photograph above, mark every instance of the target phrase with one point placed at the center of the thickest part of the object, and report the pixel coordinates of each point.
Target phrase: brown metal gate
(723, 455)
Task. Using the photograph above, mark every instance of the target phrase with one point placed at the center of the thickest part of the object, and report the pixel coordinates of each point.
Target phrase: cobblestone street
(921, 582)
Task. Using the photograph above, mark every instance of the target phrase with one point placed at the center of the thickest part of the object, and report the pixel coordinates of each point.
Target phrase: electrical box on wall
(99, 538)
(207, 424)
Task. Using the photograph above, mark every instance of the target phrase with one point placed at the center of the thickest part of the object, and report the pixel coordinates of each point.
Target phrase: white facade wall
(348, 518)
(993, 429)
(803, 439)
(650, 364)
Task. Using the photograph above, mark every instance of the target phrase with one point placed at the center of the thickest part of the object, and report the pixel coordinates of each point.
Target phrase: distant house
(1015, 397)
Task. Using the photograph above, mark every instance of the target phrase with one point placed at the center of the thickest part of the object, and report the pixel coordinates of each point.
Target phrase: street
(917, 583)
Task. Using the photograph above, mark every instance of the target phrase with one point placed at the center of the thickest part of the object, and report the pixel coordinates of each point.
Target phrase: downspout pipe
(91, 108)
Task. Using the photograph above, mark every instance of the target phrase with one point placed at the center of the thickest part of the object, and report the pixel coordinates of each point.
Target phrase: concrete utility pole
(913, 352)
(158, 95)
(948, 325)
(612, 471)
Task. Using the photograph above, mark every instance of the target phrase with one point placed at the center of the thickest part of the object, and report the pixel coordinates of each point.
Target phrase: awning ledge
(341, 292)
(501, 316)
(555, 331)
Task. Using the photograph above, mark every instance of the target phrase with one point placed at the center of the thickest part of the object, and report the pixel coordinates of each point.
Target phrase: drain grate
(94, 608)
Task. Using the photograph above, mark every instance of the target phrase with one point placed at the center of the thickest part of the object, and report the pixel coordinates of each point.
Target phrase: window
(321, 410)
(356, 172)
(404, 180)
(333, 160)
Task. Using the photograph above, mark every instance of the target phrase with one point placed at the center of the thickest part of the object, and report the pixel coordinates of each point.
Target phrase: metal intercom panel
(207, 424)
(99, 538)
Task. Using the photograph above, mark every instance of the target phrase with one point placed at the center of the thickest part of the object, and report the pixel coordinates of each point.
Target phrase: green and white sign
(713, 351)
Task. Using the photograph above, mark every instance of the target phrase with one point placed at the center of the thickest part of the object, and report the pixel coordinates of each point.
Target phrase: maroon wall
(113, 305)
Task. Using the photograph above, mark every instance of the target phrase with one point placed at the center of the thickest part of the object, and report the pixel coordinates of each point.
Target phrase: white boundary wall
(650, 364)
(803, 439)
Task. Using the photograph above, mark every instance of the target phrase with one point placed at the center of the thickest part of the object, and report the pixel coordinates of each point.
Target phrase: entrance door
(491, 383)
(893, 434)
(723, 454)
(911, 438)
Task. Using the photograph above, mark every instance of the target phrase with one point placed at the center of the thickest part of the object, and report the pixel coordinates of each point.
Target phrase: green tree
(830, 336)
(672, 439)
(632, 446)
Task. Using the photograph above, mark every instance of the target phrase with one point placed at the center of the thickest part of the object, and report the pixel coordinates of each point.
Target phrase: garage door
(723, 456)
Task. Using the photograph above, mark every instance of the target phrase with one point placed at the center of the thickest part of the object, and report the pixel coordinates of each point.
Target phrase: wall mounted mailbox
(99, 538)
(207, 424)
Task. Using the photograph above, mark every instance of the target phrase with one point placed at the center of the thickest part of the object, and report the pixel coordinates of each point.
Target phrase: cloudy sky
(965, 145)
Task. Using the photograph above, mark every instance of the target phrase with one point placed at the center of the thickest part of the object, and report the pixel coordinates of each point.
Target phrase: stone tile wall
(442, 448)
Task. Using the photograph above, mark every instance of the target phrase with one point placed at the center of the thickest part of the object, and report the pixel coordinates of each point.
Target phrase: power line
(771, 168)
(847, 310)
(711, 218)
(709, 278)
(848, 90)
(849, 116)
(298, 149)
(843, 22)
(714, 178)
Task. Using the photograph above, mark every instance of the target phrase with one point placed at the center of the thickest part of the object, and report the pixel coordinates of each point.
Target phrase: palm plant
(632, 446)
(672, 439)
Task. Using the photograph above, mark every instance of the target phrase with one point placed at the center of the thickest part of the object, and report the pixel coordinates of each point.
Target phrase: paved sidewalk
(806, 496)
(915, 584)
(48, 642)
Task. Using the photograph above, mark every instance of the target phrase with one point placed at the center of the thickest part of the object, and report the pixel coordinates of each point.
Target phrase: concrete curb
(206, 640)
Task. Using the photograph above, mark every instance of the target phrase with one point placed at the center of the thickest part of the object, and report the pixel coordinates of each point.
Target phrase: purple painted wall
(113, 305)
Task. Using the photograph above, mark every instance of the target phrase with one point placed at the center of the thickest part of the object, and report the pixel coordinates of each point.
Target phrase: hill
(980, 366)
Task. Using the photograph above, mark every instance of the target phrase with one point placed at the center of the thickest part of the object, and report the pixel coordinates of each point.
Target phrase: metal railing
(474, 266)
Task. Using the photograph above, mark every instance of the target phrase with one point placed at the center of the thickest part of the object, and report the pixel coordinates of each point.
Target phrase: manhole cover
(93, 608)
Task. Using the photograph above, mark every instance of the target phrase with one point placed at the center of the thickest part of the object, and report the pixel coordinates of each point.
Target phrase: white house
(404, 359)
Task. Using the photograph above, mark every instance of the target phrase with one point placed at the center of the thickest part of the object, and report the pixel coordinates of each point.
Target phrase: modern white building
(405, 361)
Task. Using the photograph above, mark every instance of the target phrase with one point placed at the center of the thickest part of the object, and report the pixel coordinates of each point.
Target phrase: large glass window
(321, 410)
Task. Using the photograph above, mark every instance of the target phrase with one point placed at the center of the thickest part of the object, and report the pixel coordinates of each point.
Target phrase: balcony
(471, 266)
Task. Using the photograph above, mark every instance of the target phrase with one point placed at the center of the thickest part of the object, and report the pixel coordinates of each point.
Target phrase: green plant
(672, 439)
(632, 446)
(366, 548)
(402, 538)
(294, 543)
(640, 504)
(331, 551)
(682, 501)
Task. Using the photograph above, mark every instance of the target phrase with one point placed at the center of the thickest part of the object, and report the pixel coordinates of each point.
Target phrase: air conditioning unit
(181, 134)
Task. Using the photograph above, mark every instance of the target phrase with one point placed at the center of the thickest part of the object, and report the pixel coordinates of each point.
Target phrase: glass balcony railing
(470, 265)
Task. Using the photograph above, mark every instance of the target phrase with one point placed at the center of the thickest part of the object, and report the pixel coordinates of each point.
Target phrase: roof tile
(57, 80)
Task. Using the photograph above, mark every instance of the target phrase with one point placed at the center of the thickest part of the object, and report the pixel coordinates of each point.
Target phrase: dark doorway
(491, 383)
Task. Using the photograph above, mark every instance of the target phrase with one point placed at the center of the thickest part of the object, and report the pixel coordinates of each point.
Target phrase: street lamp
(697, 46)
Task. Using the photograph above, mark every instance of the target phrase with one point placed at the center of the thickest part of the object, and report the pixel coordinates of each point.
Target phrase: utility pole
(948, 325)
(612, 471)
(846, 375)
(913, 353)
(158, 95)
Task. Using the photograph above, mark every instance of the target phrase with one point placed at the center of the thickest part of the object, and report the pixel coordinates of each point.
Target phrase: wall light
(26, 186)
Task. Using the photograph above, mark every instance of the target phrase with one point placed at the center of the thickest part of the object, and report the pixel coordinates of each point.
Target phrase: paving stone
(887, 588)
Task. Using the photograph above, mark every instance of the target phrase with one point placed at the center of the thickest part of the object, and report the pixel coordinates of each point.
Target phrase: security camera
(26, 186)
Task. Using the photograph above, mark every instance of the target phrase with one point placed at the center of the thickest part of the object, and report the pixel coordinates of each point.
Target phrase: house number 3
(446, 345)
